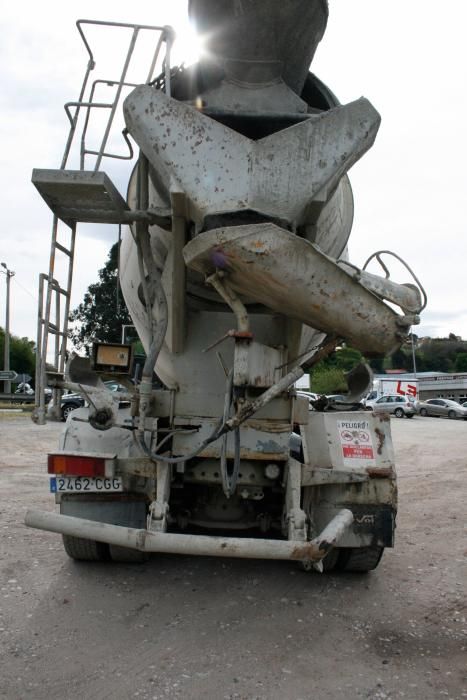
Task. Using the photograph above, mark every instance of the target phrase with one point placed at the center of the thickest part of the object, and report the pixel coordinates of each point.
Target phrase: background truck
(235, 270)
(387, 386)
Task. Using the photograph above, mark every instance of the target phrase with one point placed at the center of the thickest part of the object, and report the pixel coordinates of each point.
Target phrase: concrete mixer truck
(234, 268)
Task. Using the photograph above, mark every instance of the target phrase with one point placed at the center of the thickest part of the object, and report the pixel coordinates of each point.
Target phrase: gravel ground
(214, 628)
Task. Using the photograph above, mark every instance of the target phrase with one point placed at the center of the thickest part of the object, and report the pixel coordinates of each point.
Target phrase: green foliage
(431, 355)
(440, 354)
(400, 360)
(328, 380)
(103, 311)
(461, 362)
(376, 364)
(22, 355)
(344, 358)
(328, 376)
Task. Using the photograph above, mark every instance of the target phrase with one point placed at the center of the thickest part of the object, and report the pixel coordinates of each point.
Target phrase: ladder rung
(63, 249)
(59, 290)
(53, 328)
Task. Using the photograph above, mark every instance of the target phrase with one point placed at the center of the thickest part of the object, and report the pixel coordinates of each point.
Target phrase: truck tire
(331, 559)
(360, 559)
(81, 549)
(125, 555)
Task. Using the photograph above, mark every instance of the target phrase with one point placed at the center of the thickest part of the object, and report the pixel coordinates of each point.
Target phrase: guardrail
(17, 398)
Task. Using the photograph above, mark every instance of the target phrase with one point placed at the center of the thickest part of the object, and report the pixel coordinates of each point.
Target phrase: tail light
(78, 464)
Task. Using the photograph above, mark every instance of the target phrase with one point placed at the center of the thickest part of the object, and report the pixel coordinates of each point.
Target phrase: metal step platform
(81, 196)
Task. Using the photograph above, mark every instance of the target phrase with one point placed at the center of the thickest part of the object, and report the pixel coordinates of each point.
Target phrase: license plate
(85, 484)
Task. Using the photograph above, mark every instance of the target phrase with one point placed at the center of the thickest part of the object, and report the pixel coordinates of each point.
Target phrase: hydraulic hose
(153, 293)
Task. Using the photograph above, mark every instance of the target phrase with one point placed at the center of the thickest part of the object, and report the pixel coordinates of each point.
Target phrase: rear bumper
(147, 541)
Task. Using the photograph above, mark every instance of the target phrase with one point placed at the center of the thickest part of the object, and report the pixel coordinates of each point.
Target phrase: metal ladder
(58, 329)
(50, 290)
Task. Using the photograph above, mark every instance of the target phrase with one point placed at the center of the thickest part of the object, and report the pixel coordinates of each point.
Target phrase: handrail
(167, 36)
(73, 111)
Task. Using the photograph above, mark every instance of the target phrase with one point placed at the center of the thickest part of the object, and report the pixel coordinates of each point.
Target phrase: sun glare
(188, 46)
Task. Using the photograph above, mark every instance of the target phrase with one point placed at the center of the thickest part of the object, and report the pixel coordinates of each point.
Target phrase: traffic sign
(7, 376)
(22, 378)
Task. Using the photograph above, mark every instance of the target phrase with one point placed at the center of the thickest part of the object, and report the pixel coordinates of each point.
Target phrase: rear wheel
(360, 559)
(409, 415)
(452, 414)
(81, 549)
(331, 559)
(399, 412)
(423, 412)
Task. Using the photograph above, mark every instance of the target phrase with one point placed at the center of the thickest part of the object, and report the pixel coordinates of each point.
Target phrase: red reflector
(75, 466)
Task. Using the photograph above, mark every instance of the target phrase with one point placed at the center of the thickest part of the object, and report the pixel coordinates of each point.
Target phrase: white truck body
(392, 385)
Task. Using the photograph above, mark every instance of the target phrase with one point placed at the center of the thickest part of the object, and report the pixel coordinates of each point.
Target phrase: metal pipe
(39, 395)
(198, 545)
(413, 355)
(66, 312)
(152, 292)
(6, 355)
(222, 287)
(117, 98)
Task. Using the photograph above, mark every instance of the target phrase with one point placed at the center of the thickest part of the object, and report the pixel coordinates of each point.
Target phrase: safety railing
(166, 37)
(49, 287)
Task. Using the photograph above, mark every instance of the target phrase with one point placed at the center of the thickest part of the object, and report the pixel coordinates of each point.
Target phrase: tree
(347, 358)
(440, 354)
(22, 354)
(328, 376)
(103, 312)
(461, 362)
(328, 380)
(400, 360)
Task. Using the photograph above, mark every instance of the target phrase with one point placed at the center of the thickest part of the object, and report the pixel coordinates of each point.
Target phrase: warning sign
(356, 441)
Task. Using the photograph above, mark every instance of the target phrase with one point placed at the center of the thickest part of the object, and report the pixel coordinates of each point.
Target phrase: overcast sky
(408, 57)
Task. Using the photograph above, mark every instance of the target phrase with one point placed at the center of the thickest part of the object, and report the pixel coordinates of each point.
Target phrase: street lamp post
(6, 364)
(413, 357)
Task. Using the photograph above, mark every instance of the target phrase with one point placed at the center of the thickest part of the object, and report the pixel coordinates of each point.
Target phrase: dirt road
(208, 628)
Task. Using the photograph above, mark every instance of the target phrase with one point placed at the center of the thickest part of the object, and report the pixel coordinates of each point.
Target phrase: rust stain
(381, 439)
(245, 453)
(309, 551)
(383, 473)
(268, 425)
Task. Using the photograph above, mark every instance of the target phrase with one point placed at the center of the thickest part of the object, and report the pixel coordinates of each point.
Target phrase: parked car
(370, 400)
(442, 407)
(400, 406)
(71, 402)
(308, 395)
(25, 389)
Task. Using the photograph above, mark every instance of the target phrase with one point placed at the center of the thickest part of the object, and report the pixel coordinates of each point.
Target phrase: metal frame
(312, 551)
(60, 327)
